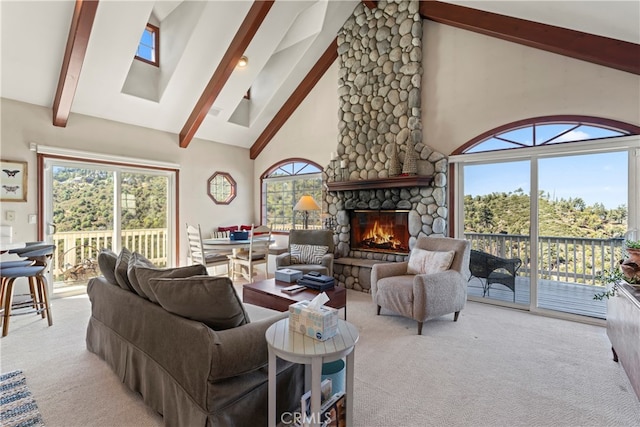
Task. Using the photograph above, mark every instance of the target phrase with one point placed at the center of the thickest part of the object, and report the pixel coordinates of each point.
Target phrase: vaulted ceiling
(78, 57)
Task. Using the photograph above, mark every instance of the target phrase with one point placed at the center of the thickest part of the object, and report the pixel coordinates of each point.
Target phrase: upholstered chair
(432, 283)
(306, 252)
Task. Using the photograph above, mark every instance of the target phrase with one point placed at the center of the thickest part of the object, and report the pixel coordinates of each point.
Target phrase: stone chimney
(379, 89)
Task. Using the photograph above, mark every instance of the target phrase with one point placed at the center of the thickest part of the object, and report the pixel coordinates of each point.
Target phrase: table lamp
(306, 204)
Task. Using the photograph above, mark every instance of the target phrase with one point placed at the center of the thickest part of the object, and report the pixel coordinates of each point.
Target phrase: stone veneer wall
(379, 89)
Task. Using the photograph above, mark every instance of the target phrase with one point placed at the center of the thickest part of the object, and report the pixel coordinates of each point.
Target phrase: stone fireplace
(382, 162)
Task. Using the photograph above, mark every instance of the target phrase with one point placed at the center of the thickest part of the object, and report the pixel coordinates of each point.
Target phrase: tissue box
(288, 275)
(319, 325)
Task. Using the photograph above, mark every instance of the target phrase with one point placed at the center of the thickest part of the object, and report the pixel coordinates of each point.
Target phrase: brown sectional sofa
(189, 373)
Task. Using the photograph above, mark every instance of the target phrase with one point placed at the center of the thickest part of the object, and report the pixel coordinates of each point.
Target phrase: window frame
(601, 122)
(155, 31)
(630, 143)
(265, 178)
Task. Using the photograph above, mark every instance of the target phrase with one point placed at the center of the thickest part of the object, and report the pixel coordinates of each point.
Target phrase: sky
(596, 178)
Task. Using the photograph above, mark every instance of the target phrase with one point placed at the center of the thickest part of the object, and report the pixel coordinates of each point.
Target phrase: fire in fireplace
(380, 231)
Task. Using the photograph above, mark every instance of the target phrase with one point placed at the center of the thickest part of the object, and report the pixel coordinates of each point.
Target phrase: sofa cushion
(107, 263)
(144, 274)
(422, 261)
(137, 260)
(210, 300)
(307, 254)
(122, 265)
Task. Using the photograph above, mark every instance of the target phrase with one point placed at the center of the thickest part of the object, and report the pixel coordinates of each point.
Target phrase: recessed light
(243, 61)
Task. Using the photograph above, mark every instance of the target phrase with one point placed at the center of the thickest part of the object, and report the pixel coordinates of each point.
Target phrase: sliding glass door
(582, 216)
(89, 206)
(498, 224)
(561, 216)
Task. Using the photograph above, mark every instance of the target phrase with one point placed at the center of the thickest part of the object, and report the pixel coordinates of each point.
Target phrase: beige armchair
(324, 264)
(424, 296)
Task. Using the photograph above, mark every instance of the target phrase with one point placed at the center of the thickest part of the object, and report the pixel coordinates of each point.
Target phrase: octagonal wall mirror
(221, 187)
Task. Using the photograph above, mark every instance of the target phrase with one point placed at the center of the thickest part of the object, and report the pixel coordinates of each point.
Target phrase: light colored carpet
(494, 367)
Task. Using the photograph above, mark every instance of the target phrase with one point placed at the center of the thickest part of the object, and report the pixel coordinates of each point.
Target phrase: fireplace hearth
(384, 231)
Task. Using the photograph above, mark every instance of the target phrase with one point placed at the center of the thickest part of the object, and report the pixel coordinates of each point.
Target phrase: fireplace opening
(380, 231)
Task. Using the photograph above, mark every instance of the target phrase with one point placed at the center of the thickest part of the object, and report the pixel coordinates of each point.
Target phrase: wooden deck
(560, 296)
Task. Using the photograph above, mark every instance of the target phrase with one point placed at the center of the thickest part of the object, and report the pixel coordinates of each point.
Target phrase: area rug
(17, 406)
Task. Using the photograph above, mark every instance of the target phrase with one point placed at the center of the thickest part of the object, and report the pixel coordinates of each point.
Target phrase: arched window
(543, 131)
(283, 184)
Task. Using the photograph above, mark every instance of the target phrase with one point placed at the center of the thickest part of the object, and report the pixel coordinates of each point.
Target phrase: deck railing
(76, 253)
(568, 259)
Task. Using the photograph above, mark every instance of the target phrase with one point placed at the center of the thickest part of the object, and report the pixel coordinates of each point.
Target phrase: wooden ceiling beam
(371, 4)
(605, 51)
(234, 52)
(81, 24)
(301, 92)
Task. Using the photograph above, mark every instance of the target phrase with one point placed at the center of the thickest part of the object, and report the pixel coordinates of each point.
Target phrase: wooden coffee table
(268, 293)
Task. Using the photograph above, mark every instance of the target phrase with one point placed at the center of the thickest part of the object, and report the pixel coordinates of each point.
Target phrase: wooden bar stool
(38, 256)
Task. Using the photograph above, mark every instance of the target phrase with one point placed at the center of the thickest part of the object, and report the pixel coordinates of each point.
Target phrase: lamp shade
(306, 203)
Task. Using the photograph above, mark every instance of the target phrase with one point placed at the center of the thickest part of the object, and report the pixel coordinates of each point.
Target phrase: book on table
(332, 412)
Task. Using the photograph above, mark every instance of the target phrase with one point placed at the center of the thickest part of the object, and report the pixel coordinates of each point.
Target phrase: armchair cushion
(210, 300)
(307, 254)
(422, 261)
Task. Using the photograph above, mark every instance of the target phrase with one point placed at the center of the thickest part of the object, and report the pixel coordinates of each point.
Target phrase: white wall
(23, 123)
(474, 83)
(310, 133)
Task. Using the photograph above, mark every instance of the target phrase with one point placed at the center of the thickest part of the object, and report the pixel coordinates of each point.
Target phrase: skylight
(148, 49)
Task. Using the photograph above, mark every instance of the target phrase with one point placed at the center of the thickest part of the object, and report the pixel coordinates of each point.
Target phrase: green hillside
(83, 200)
(509, 213)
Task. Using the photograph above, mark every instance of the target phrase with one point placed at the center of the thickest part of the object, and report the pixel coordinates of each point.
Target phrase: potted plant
(633, 249)
(628, 272)
(631, 266)
(611, 279)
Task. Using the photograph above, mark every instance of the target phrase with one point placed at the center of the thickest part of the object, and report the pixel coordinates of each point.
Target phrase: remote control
(293, 289)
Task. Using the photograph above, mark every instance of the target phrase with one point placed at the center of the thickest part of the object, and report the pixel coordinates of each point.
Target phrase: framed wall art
(13, 181)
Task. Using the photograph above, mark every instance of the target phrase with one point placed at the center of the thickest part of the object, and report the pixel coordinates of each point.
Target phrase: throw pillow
(210, 300)
(137, 260)
(107, 262)
(122, 265)
(307, 254)
(144, 274)
(422, 261)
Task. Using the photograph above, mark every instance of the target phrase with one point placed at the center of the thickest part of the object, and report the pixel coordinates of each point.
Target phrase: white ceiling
(294, 35)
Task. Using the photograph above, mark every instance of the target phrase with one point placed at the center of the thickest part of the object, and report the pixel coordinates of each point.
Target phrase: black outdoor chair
(494, 270)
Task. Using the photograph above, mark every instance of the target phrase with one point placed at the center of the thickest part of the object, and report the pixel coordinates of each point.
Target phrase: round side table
(298, 348)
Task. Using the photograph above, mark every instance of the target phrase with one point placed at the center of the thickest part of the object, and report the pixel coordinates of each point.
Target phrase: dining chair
(244, 261)
(209, 257)
(220, 234)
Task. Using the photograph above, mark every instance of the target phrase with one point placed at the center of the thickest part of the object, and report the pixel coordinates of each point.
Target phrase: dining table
(225, 243)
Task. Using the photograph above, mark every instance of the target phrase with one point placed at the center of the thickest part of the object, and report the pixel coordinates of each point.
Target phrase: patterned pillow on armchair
(307, 254)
